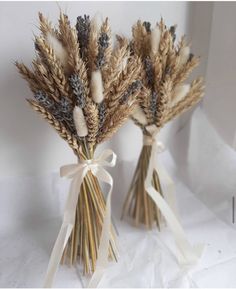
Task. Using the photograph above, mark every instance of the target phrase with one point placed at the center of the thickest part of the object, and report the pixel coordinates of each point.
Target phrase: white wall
(28, 145)
(221, 73)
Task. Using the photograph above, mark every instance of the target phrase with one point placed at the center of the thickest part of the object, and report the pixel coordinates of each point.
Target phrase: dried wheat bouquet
(86, 88)
(165, 95)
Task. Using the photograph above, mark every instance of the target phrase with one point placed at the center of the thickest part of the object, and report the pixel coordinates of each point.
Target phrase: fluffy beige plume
(96, 86)
(124, 63)
(180, 92)
(155, 39)
(139, 115)
(184, 55)
(80, 122)
(58, 48)
(96, 22)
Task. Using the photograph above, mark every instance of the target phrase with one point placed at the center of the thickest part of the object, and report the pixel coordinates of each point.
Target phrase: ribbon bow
(187, 254)
(77, 173)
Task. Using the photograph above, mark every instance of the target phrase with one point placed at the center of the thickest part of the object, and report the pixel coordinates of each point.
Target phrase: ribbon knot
(77, 173)
(150, 140)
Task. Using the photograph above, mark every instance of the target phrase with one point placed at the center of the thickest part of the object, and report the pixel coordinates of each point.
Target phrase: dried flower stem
(84, 240)
(138, 204)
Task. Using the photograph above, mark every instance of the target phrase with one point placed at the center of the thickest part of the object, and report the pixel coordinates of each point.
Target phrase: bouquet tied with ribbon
(86, 89)
(164, 96)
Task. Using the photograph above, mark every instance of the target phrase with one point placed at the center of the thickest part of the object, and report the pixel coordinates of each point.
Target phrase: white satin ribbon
(77, 172)
(186, 254)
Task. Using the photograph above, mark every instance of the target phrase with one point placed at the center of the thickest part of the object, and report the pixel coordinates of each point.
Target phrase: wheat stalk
(62, 131)
(113, 123)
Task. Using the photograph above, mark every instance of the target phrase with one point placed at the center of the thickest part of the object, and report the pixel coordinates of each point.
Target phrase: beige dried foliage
(92, 48)
(115, 121)
(92, 119)
(162, 72)
(163, 101)
(184, 73)
(141, 39)
(144, 100)
(157, 71)
(49, 58)
(68, 85)
(29, 76)
(126, 77)
(46, 25)
(113, 70)
(62, 131)
(105, 28)
(193, 97)
(45, 79)
(68, 37)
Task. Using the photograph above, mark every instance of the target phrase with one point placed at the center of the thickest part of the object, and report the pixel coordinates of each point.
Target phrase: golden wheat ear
(62, 131)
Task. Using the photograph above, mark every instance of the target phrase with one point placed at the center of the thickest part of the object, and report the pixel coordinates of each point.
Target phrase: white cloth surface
(31, 209)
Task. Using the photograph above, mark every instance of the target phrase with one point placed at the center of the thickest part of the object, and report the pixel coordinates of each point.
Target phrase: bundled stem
(85, 238)
(138, 204)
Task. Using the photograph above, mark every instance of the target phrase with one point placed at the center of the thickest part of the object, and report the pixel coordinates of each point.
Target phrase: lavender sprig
(62, 110)
(147, 26)
(149, 71)
(83, 30)
(131, 89)
(44, 100)
(103, 43)
(101, 113)
(78, 90)
(153, 103)
(172, 31)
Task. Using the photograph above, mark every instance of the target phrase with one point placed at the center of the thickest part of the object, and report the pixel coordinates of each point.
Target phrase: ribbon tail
(66, 228)
(187, 253)
(168, 188)
(103, 250)
(57, 252)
